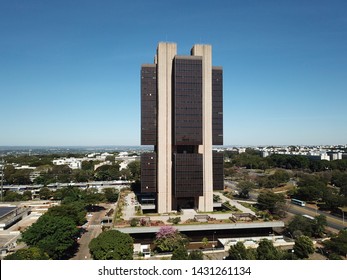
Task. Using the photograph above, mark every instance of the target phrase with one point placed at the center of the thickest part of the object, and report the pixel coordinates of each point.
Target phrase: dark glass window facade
(218, 171)
(187, 175)
(186, 129)
(217, 106)
(187, 101)
(148, 105)
(148, 172)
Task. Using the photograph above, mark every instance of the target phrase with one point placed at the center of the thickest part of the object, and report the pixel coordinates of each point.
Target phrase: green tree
(12, 196)
(245, 188)
(267, 182)
(320, 222)
(17, 177)
(280, 176)
(111, 194)
(338, 244)
(302, 224)
(303, 247)
(44, 179)
(175, 220)
(9, 170)
(216, 198)
(21, 177)
(112, 245)
(308, 227)
(58, 195)
(288, 161)
(271, 201)
(107, 172)
(332, 200)
(27, 195)
(75, 211)
(45, 193)
(135, 169)
(125, 174)
(239, 252)
(61, 173)
(92, 196)
(310, 188)
(204, 241)
(31, 253)
(88, 165)
(339, 179)
(334, 256)
(69, 195)
(196, 255)
(267, 251)
(180, 253)
(55, 235)
(134, 222)
(80, 175)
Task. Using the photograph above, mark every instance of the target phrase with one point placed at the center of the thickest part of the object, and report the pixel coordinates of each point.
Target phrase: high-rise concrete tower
(181, 117)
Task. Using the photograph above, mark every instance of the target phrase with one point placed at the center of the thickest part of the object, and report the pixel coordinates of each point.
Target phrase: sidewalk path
(235, 203)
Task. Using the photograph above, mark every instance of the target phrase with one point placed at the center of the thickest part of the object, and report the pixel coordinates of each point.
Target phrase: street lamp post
(213, 241)
(343, 215)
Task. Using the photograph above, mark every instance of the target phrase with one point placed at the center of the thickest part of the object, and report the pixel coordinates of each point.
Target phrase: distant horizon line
(115, 146)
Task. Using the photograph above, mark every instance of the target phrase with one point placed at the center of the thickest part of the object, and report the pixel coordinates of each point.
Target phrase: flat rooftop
(203, 227)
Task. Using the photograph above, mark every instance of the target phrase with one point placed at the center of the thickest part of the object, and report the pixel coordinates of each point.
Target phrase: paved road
(129, 209)
(93, 229)
(333, 222)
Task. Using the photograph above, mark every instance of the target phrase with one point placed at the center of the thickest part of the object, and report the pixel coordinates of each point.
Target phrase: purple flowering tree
(168, 238)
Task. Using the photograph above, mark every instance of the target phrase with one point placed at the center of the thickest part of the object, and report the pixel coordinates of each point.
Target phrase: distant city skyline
(69, 71)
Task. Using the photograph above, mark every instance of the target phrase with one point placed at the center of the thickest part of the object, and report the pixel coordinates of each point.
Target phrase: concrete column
(206, 202)
(164, 57)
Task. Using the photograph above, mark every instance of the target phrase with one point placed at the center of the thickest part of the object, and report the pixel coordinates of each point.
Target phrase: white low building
(73, 163)
(253, 242)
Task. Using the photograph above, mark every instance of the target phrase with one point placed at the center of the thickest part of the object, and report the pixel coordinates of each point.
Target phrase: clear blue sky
(70, 70)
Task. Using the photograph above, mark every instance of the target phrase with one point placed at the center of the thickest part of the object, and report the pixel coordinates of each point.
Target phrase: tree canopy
(301, 225)
(271, 201)
(134, 168)
(31, 253)
(303, 247)
(112, 245)
(267, 251)
(74, 211)
(245, 188)
(196, 255)
(55, 235)
(180, 253)
(338, 243)
(240, 252)
(111, 194)
(168, 239)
